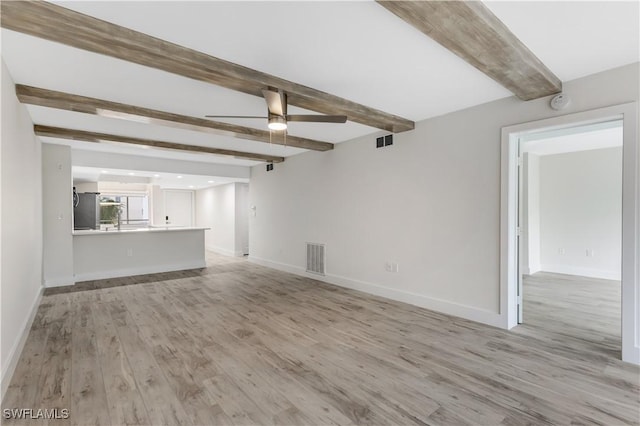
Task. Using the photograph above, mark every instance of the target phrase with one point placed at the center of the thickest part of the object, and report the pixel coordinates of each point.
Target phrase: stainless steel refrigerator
(86, 211)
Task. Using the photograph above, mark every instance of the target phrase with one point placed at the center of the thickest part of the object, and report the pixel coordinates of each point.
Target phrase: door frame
(509, 212)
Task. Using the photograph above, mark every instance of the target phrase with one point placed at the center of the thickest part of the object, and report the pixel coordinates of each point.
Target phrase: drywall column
(21, 219)
(156, 206)
(57, 199)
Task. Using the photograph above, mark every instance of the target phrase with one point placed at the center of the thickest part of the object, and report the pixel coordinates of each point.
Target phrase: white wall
(581, 213)
(216, 209)
(430, 202)
(21, 218)
(57, 210)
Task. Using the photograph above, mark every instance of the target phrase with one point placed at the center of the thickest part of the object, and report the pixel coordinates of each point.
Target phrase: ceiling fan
(277, 112)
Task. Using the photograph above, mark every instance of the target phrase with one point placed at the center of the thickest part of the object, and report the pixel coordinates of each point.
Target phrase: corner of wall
(9, 367)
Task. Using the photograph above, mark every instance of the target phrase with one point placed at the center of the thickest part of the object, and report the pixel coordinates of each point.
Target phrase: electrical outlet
(390, 266)
(129, 252)
(560, 251)
(590, 253)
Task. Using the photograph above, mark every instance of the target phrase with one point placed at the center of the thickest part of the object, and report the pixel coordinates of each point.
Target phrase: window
(134, 210)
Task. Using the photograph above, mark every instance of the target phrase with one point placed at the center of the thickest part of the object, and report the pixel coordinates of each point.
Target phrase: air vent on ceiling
(315, 258)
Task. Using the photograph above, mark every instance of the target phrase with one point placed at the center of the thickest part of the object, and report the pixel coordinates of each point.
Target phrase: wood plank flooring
(237, 343)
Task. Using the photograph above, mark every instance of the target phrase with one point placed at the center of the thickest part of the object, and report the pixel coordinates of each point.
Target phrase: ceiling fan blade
(234, 116)
(318, 118)
(276, 102)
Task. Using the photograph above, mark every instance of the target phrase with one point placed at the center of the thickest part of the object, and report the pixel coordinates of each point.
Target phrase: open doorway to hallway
(570, 220)
(509, 215)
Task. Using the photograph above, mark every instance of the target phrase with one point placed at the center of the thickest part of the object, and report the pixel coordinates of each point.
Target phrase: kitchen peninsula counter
(135, 230)
(127, 252)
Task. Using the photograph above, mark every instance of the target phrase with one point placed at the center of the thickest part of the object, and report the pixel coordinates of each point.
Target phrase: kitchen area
(102, 223)
(113, 232)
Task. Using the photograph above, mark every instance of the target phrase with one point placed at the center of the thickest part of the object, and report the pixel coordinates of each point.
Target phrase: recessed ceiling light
(105, 172)
(190, 186)
(179, 177)
(156, 175)
(131, 174)
(211, 181)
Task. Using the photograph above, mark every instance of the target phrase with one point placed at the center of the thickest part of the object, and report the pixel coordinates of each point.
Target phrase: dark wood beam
(66, 101)
(81, 135)
(56, 23)
(471, 31)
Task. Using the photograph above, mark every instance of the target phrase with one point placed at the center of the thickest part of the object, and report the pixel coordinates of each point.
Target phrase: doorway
(570, 220)
(511, 220)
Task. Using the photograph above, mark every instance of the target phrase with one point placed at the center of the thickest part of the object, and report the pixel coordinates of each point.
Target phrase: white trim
(156, 269)
(226, 252)
(437, 305)
(533, 268)
(582, 272)
(15, 352)
(630, 216)
(59, 282)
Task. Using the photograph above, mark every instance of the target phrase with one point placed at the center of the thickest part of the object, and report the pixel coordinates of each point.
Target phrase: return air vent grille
(315, 258)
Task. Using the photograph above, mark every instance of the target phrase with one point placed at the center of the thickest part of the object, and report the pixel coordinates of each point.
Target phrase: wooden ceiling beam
(471, 31)
(61, 25)
(81, 135)
(66, 101)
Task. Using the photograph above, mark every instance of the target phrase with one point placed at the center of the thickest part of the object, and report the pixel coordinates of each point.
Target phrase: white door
(178, 208)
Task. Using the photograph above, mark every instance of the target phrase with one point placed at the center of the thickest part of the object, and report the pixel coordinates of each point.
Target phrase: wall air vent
(315, 258)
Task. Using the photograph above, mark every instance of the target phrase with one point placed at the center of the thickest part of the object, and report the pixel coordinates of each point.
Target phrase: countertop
(138, 230)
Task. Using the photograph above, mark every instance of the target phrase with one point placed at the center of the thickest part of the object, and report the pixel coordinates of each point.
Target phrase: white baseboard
(59, 282)
(582, 272)
(225, 252)
(438, 305)
(533, 268)
(156, 269)
(16, 350)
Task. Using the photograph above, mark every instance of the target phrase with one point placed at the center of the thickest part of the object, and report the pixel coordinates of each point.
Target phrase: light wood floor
(237, 343)
(584, 311)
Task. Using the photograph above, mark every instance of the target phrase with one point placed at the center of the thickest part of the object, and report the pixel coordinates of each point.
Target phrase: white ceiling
(163, 179)
(357, 50)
